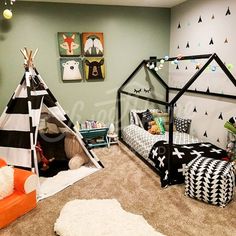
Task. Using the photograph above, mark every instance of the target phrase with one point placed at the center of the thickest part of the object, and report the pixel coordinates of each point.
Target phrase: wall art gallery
(81, 56)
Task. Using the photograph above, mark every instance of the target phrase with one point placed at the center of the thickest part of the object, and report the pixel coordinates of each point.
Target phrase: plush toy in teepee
(41, 157)
(74, 152)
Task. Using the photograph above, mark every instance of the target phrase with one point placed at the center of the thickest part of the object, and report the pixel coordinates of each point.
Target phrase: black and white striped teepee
(19, 121)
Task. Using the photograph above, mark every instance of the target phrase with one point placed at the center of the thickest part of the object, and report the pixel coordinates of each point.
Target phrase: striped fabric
(20, 119)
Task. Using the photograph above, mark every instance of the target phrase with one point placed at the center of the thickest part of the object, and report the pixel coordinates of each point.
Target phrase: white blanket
(52, 185)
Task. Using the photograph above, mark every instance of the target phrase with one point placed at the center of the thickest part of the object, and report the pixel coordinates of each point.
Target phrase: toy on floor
(42, 158)
(231, 145)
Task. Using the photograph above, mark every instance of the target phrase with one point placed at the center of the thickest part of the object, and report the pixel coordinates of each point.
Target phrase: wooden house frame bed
(170, 104)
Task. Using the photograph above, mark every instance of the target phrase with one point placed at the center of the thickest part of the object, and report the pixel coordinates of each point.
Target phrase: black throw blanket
(181, 156)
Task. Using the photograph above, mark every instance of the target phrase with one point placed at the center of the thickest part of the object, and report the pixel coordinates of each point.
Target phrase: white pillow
(6, 181)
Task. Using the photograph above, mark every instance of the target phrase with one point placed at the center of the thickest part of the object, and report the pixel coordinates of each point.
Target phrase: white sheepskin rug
(52, 185)
(100, 218)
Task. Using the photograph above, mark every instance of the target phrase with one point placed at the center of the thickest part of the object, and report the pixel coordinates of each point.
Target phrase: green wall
(131, 34)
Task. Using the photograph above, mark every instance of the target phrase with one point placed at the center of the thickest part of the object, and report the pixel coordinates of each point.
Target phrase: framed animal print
(71, 68)
(69, 43)
(93, 44)
(94, 68)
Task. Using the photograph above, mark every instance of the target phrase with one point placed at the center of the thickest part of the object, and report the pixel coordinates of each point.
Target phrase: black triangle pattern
(178, 47)
(187, 45)
(210, 181)
(179, 26)
(186, 67)
(211, 42)
(220, 116)
(218, 140)
(208, 90)
(177, 67)
(205, 134)
(195, 109)
(226, 40)
(206, 113)
(228, 12)
(200, 19)
(213, 17)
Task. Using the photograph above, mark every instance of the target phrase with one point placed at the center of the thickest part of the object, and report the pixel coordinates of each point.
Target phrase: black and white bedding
(144, 143)
(181, 156)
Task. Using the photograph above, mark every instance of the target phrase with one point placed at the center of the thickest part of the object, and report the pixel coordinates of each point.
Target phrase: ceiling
(143, 3)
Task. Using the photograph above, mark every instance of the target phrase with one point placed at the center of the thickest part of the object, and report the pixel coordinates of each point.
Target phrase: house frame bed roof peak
(180, 92)
(184, 89)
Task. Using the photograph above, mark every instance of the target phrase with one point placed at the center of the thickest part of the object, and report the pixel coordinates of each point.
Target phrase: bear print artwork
(94, 68)
(71, 69)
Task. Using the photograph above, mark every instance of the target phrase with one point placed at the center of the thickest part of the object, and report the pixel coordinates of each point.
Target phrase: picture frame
(93, 44)
(69, 44)
(94, 68)
(71, 69)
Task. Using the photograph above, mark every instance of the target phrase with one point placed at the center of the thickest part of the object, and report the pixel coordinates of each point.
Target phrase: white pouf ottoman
(210, 180)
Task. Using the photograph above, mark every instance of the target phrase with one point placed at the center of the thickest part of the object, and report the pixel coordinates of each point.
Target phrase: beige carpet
(138, 190)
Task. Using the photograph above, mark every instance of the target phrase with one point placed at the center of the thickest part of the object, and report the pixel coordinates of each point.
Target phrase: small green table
(96, 137)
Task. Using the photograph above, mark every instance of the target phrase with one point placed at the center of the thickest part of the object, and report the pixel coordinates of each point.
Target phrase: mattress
(142, 141)
(155, 149)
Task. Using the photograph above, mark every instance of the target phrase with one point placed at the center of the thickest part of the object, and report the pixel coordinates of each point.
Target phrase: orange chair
(23, 198)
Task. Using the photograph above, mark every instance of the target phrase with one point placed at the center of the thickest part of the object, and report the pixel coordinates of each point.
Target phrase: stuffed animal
(77, 161)
(41, 158)
(153, 128)
(74, 152)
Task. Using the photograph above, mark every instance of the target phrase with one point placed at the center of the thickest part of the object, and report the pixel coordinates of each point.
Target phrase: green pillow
(230, 127)
(160, 122)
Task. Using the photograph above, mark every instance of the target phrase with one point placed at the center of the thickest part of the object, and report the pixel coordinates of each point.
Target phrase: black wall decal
(200, 19)
(208, 90)
(187, 45)
(179, 26)
(197, 67)
(220, 116)
(211, 42)
(178, 47)
(218, 140)
(186, 68)
(177, 67)
(228, 12)
(147, 90)
(206, 113)
(137, 90)
(213, 17)
(195, 109)
(175, 105)
(226, 40)
(205, 134)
